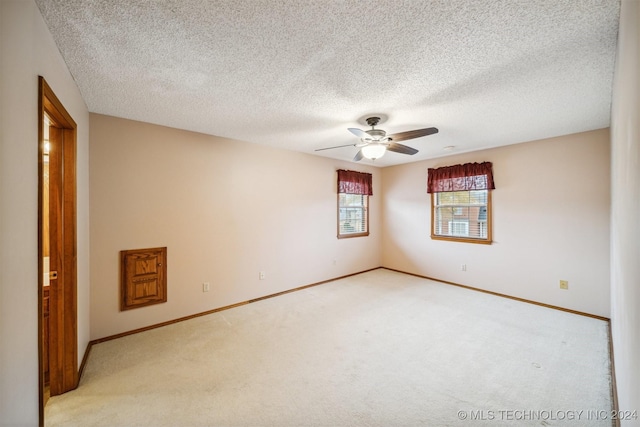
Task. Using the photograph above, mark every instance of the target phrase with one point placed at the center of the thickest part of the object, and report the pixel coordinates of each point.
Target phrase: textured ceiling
(296, 74)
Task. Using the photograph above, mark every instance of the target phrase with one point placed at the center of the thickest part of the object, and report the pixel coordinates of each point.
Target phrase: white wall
(550, 222)
(225, 210)
(28, 50)
(625, 211)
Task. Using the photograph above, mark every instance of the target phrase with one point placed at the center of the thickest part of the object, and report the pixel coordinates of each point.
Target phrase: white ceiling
(296, 74)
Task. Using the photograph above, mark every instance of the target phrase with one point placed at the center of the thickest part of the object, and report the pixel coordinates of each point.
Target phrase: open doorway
(57, 265)
(46, 256)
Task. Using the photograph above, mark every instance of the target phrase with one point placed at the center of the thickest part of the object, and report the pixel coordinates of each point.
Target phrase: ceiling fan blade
(399, 148)
(358, 156)
(338, 146)
(359, 133)
(403, 136)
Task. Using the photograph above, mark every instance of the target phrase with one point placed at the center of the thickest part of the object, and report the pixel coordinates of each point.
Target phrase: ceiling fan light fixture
(375, 142)
(373, 151)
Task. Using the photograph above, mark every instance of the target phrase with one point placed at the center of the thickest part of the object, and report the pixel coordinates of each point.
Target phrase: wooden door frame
(63, 330)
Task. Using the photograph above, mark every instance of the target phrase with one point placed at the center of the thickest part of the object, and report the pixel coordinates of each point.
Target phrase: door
(57, 293)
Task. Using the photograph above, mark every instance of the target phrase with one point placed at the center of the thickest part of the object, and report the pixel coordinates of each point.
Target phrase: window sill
(348, 236)
(462, 239)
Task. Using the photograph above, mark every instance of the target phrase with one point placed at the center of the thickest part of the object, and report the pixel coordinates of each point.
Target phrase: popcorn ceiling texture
(296, 74)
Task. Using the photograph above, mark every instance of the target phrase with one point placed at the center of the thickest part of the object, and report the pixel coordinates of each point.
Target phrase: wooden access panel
(143, 277)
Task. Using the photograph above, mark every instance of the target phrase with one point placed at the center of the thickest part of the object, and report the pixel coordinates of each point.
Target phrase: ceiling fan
(375, 142)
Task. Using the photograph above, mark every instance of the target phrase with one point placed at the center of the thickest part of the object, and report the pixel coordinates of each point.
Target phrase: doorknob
(53, 275)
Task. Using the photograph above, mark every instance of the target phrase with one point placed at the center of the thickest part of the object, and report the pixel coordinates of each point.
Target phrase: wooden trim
(461, 239)
(170, 322)
(41, 380)
(433, 215)
(85, 359)
(349, 236)
(227, 307)
(568, 310)
(216, 310)
(486, 241)
(63, 341)
(338, 215)
(54, 107)
(614, 386)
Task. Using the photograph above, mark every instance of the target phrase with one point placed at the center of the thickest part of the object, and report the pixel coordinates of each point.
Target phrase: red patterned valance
(352, 182)
(470, 176)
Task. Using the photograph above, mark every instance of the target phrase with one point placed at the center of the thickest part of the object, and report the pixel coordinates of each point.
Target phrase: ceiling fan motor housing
(376, 134)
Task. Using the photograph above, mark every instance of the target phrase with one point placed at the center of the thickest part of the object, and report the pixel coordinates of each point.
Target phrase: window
(461, 214)
(461, 202)
(353, 215)
(354, 189)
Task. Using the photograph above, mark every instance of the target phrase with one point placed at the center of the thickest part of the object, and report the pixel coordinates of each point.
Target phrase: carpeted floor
(377, 349)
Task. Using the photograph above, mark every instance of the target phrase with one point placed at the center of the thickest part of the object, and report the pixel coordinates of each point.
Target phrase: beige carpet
(376, 349)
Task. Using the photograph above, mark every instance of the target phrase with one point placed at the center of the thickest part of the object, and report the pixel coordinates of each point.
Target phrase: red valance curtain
(470, 176)
(352, 182)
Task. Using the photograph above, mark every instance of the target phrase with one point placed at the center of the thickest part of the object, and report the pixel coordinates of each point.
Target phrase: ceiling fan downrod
(375, 134)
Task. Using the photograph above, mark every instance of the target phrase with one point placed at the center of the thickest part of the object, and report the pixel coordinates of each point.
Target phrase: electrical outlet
(206, 287)
(463, 267)
(262, 275)
(564, 284)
